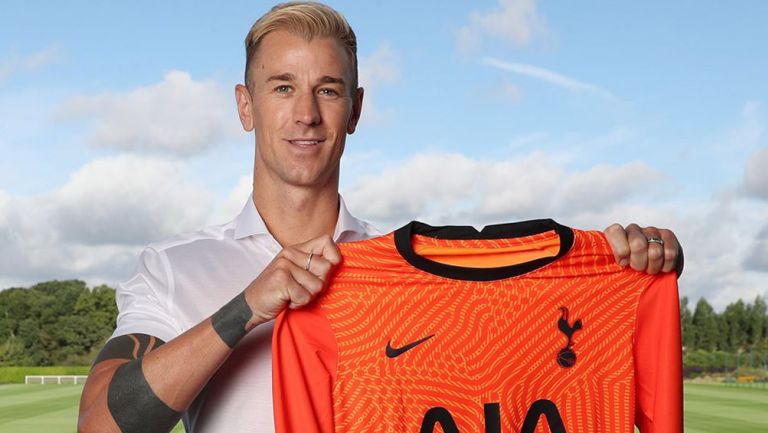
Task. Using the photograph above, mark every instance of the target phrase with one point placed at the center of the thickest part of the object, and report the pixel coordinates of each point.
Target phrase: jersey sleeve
(658, 359)
(304, 363)
(142, 301)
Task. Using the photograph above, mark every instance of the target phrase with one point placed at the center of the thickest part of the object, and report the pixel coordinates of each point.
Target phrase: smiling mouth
(311, 142)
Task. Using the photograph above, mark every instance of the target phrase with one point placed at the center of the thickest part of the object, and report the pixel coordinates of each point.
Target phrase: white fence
(58, 380)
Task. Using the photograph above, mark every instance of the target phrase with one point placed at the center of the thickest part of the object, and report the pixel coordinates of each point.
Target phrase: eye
(283, 89)
(326, 91)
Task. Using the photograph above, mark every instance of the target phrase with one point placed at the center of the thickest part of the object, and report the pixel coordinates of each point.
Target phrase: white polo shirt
(180, 282)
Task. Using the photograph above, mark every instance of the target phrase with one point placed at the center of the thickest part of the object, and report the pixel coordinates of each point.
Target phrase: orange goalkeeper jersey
(524, 327)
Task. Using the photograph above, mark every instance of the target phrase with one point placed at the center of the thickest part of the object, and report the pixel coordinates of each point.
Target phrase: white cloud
(408, 189)
(751, 134)
(93, 226)
(545, 75)
(721, 262)
(128, 200)
(719, 251)
(233, 203)
(516, 22)
(381, 67)
(179, 116)
(32, 62)
(756, 175)
(757, 257)
(444, 188)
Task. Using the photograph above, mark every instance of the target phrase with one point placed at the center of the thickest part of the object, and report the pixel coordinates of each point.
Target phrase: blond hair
(307, 19)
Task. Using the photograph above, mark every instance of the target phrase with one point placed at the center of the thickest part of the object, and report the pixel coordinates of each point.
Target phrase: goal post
(54, 379)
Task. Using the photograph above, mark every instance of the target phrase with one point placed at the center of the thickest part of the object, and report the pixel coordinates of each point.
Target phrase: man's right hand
(287, 282)
(138, 374)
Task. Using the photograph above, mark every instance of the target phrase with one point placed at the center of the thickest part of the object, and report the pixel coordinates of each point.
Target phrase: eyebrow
(325, 79)
(331, 80)
(282, 77)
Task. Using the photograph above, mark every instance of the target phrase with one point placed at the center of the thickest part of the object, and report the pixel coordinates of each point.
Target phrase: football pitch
(41, 408)
(708, 409)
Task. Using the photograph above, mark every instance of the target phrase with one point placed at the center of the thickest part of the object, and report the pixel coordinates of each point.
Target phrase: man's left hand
(645, 249)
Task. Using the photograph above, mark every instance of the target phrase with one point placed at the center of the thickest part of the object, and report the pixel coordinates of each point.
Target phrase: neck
(296, 214)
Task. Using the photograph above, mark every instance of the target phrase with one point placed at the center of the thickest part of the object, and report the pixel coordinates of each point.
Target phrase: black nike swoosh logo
(393, 352)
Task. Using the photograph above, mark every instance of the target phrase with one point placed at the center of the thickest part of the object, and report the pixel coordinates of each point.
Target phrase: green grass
(16, 374)
(41, 408)
(718, 408)
(708, 409)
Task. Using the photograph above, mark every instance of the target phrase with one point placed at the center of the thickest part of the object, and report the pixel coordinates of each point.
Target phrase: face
(301, 106)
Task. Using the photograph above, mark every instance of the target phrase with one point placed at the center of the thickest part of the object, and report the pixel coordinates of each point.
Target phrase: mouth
(306, 141)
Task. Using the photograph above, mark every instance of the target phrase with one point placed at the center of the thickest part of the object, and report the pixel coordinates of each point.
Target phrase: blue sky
(118, 125)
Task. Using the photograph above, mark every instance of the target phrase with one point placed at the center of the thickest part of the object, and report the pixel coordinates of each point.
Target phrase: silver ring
(309, 260)
(655, 240)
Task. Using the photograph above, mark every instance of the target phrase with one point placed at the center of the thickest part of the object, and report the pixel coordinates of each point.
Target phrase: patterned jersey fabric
(524, 327)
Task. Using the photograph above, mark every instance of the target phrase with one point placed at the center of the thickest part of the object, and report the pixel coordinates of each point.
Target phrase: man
(176, 349)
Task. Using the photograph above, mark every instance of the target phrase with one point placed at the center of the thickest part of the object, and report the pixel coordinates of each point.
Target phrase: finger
(672, 250)
(655, 251)
(298, 296)
(306, 279)
(302, 286)
(275, 289)
(638, 248)
(315, 264)
(281, 285)
(319, 266)
(617, 237)
(322, 246)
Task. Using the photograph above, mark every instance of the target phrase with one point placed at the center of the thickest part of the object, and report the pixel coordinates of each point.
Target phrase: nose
(306, 110)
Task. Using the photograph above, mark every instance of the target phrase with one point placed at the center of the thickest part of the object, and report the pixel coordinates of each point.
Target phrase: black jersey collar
(499, 231)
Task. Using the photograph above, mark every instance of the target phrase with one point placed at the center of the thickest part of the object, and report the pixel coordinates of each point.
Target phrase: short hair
(306, 19)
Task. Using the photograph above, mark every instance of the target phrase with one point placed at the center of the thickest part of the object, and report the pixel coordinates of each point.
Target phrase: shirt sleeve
(142, 301)
(304, 362)
(658, 359)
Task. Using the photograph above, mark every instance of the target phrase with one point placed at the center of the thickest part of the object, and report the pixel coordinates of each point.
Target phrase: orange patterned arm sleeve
(658, 359)
(304, 359)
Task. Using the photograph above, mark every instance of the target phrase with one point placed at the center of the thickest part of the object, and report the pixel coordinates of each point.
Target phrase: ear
(357, 107)
(244, 105)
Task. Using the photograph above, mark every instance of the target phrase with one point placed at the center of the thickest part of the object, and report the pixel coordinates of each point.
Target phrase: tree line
(55, 323)
(734, 340)
(66, 323)
(740, 327)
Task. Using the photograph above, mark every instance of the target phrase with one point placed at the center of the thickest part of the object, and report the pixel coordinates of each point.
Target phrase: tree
(686, 324)
(735, 326)
(15, 305)
(98, 305)
(705, 323)
(756, 322)
(55, 322)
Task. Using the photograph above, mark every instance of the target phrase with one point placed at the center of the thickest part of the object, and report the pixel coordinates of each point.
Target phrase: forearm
(178, 370)
(136, 386)
(129, 381)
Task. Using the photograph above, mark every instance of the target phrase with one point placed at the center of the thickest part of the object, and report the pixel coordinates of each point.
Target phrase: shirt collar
(348, 223)
(250, 223)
